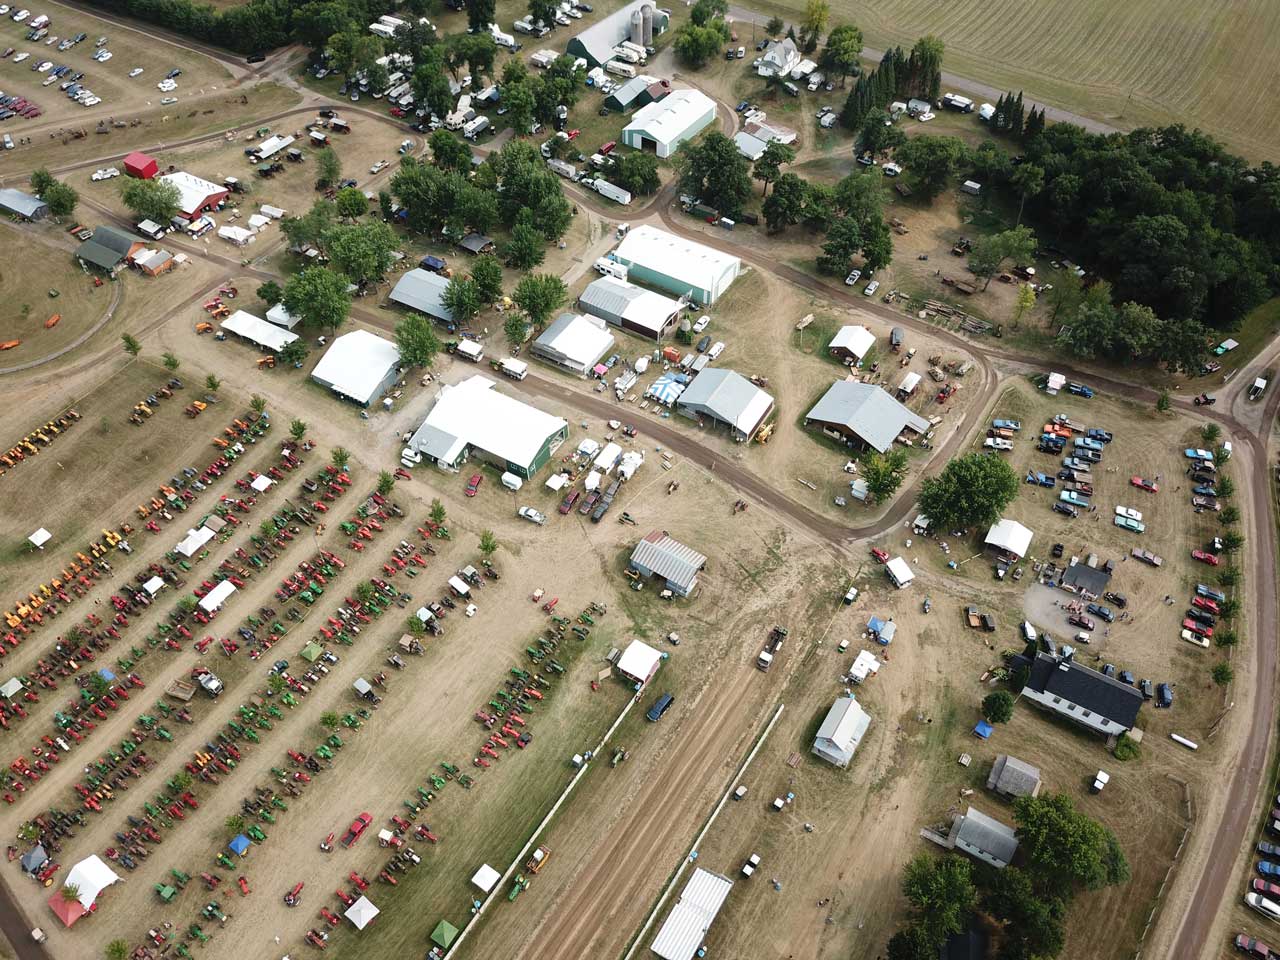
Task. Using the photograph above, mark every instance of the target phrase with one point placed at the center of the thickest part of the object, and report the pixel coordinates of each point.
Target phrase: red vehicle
(573, 134)
(1197, 628)
(1084, 623)
(1142, 484)
(607, 148)
(880, 555)
(1204, 603)
(358, 826)
(1252, 946)
(397, 112)
(1204, 557)
(566, 505)
(473, 484)
(1269, 890)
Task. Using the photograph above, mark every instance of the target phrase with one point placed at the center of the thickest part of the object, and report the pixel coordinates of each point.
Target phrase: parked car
(1129, 512)
(1057, 550)
(853, 277)
(660, 707)
(1212, 594)
(473, 485)
(566, 505)
(532, 515)
(1128, 523)
(1205, 557)
(870, 289)
(1199, 629)
(1269, 890)
(1269, 868)
(1062, 508)
(880, 555)
(1204, 603)
(1146, 688)
(1081, 621)
(1141, 484)
(1253, 947)
(1098, 610)
(358, 826)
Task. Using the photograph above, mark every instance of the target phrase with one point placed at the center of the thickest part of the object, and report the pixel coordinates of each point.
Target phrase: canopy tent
(361, 913)
(311, 652)
(194, 540)
(262, 483)
(34, 859)
(362, 687)
(239, 845)
(557, 481)
(486, 877)
(106, 674)
(40, 538)
(444, 934)
(216, 597)
(899, 572)
(589, 447)
(11, 688)
(258, 221)
(666, 389)
(1054, 383)
(90, 877)
(153, 585)
(593, 481)
(639, 662)
(68, 911)
(983, 730)
(1009, 536)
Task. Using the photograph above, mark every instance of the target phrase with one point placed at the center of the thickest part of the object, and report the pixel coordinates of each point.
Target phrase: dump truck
(772, 647)
(539, 859)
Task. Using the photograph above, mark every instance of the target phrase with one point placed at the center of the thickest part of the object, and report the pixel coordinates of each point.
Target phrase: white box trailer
(459, 588)
(564, 168)
(626, 53)
(470, 350)
(382, 30)
(607, 189)
(803, 69)
(620, 69)
(515, 369)
(473, 128)
(954, 101)
(544, 58)
(971, 187)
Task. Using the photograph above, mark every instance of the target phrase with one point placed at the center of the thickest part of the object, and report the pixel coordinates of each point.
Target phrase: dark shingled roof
(1084, 577)
(1087, 688)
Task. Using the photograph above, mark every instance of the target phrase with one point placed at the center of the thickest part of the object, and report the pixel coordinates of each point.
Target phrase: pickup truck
(1073, 498)
(208, 681)
(1146, 556)
(1007, 424)
(1075, 463)
(997, 443)
(1194, 453)
(772, 647)
(1216, 595)
(1086, 444)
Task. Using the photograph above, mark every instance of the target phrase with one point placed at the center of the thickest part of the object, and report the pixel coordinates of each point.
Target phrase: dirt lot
(110, 80)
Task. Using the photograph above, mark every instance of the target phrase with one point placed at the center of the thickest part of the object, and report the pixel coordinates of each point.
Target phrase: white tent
(557, 481)
(237, 235)
(1010, 536)
(639, 661)
(91, 876)
(631, 462)
(262, 483)
(608, 457)
(11, 688)
(40, 538)
(486, 877)
(900, 572)
(194, 540)
(1055, 383)
(589, 447)
(258, 221)
(361, 913)
(866, 665)
(216, 597)
(592, 482)
(153, 585)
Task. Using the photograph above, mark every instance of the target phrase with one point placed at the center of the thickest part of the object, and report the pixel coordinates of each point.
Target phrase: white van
(717, 348)
(791, 88)
(1028, 632)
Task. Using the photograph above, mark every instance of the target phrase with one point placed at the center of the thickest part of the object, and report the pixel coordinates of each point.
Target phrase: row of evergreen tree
(1012, 119)
(900, 75)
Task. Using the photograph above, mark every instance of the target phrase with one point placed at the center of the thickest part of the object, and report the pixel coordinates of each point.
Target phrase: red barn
(138, 164)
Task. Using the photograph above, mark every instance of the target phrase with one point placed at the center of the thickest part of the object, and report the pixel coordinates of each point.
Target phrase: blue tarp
(875, 625)
(239, 845)
(106, 674)
(983, 730)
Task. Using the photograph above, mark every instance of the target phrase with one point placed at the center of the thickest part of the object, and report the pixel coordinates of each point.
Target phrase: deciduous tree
(157, 200)
(319, 297)
(539, 295)
(462, 298)
(971, 491)
(416, 339)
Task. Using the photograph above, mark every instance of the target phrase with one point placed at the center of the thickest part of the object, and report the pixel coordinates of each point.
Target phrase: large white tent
(486, 877)
(193, 541)
(361, 913)
(257, 330)
(359, 365)
(90, 876)
(639, 661)
(40, 538)
(216, 597)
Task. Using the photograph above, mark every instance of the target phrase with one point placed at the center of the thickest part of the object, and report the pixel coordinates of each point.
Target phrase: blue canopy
(875, 625)
(106, 674)
(983, 730)
(239, 845)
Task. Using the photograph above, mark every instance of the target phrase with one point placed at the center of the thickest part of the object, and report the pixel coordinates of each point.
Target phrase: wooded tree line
(899, 76)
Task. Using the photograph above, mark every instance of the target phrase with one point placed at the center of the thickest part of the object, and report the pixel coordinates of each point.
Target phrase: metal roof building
(669, 122)
(729, 398)
(473, 418)
(677, 265)
(658, 555)
(108, 248)
(843, 729)
(595, 44)
(686, 926)
(22, 205)
(574, 342)
(630, 307)
(257, 330)
(639, 662)
(359, 366)
(851, 343)
(637, 92)
(862, 412)
(983, 838)
(423, 291)
(196, 195)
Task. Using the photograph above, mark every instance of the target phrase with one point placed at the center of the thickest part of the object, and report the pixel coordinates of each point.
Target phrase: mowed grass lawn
(1134, 64)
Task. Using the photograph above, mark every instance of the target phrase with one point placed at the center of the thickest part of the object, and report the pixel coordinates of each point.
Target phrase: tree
(270, 293)
(1210, 433)
(69, 892)
(884, 472)
(1229, 515)
(437, 511)
(880, 135)
(539, 295)
(28, 832)
(365, 592)
(1222, 673)
(1226, 487)
(268, 528)
(1031, 919)
(351, 203)
(386, 482)
(987, 257)
(414, 625)
(926, 67)
(636, 172)
(526, 248)
(1028, 180)
(328, 167)
(234, 823)
(543, 11)
(257, 403)
(156, 200)
(1232, 541)
(971, 491)
(187, 604)
(171, 362)
(768, 165)
(61, 198)
(1026, 300)
(488, 543)
(817, 14)
(516, 327)
(931, 162)
(1230, 576)
(340, 457)
(775, 26)
(1163, 402)
(841, 56)
(319, 297)
(480, 13)
(117, 950)
(41, 180)
(998, 707)
(363, 253)
(913, 942)
(416, 339)
(696, 45)
(329, 719)
(715, 172)
(294, 352)
(1229, 608)
(310, 229)
(275, 683)
(462, 298)
(1226, 637)
(1065, 848)
(131, 345)
(1066, 293)
(297, 429)
(941, 893)
(448, 152)
(785, 205)
(706, 12)
(486, 272)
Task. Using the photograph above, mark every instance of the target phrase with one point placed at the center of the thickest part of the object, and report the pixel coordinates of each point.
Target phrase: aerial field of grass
(1134, 64)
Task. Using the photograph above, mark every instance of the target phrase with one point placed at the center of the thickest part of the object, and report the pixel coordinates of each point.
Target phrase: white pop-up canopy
(486, 877)
(262, 483)
(153, 585)
(90, 876)
(216, 597)
(639, 661)
(361, 913)
(40, 538)
(11, 688)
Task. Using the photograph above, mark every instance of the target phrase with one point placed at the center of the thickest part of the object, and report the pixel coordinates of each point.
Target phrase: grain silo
(646, 18)
(637, 28)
